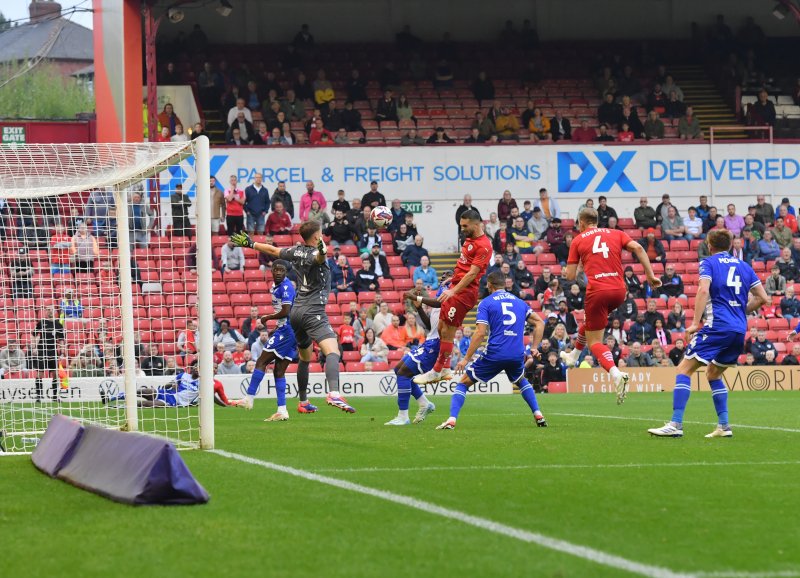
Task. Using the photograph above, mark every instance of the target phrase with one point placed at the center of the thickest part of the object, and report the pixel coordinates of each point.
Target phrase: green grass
(727, 511)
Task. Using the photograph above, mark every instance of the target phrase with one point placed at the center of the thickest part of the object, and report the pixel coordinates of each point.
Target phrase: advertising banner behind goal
(656, 379)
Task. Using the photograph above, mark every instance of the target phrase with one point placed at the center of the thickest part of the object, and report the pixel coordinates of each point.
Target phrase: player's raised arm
(242, 239)
(418, 299)
(639, 252)
(322, 250)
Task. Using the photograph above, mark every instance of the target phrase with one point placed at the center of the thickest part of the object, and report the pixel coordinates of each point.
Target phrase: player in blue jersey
(281, 347)
(420, 359)
(503, 316)
(728, 291)
(182, 391)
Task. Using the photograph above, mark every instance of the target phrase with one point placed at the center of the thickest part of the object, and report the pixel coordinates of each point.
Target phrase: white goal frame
(39, 170)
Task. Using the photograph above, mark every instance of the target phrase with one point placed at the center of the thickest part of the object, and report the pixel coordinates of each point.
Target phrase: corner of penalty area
(126, 467)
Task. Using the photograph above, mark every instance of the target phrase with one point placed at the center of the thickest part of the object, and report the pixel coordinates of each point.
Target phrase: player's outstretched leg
(441, 369)
(403, 398)
(571, 359)
(256, 378)
(303, 405)
(456, 403)
(606, 359)
(527, 393)
(680, 398)
(280, 391)
(426, 407)
(330, 348)
(719, 393)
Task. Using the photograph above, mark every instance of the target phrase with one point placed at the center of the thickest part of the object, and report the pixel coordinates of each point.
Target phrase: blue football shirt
(282, 294)
(731, 281)
(505, 315)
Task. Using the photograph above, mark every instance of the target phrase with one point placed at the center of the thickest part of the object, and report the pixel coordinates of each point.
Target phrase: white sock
(334, 394)
(423, 401)
(537, 414)
(402, 414)
(615, 372)
(282, 409)
(252, 398)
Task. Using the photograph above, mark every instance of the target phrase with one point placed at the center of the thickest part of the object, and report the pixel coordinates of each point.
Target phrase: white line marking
(733, 574)
(622, 417)
(557, 467)
(584, 552)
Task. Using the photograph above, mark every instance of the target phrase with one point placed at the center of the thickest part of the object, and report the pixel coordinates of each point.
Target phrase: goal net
(104, 302)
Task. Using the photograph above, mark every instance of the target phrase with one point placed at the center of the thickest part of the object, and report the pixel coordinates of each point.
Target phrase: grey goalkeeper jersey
(313, 279)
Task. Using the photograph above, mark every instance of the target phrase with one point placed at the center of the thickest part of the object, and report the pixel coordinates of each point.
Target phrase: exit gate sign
(13, 135)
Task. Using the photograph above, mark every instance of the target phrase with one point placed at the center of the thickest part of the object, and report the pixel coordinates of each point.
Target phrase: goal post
(103, 301)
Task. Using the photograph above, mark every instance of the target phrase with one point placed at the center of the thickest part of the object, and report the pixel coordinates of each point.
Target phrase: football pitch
(335, 495)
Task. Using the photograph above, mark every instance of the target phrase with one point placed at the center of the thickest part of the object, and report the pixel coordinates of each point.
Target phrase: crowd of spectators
(296, 101)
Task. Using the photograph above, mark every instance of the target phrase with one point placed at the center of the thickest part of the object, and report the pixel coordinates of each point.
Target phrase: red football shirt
(600, 251)
(473, 252)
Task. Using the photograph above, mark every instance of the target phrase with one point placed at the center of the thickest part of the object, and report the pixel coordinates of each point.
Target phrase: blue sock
(416, 391)
(280, 389)
(404, 387)
(458, 399)
(255, 381)
(680, 397)
(527, 393)
(719, 393)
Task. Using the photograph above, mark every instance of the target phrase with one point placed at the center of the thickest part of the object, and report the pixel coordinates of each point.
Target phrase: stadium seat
(348, 356)
(354, 366)
(366, 297)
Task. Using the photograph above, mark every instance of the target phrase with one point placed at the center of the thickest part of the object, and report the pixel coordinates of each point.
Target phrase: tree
(41, 92)
(4, 23)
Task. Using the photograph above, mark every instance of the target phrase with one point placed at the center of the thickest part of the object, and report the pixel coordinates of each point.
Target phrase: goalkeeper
(308, 318)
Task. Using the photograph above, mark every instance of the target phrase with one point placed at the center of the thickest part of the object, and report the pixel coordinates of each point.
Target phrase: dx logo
(587, 170)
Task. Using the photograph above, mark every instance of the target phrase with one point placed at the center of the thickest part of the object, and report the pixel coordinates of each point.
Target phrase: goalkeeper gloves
(321, 247)
(242, 239)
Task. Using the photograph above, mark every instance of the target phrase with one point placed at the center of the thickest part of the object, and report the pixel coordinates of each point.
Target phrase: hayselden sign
(449, 172)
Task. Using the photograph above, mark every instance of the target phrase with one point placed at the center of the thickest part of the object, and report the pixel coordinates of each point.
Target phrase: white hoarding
(438, 177)
(380, 384)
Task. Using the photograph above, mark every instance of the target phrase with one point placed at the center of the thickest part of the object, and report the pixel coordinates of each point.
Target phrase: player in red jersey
(463, 293)
(599, 251)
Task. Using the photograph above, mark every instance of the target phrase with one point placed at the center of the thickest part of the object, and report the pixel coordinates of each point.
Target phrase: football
(381, 216)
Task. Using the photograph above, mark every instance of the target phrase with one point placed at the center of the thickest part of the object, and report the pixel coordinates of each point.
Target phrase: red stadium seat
(354, 366)
(366, 297)
(346, 297)
(240, 299)
(348, 356)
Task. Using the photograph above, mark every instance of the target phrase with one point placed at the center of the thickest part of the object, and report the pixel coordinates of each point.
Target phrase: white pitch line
(735, 574)
(627, 418)
(557, 467)
(576, 550)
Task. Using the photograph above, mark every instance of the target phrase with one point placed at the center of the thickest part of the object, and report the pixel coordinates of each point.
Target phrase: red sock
(445, 349)
(603, 355)
(580, 341)
(220, 391)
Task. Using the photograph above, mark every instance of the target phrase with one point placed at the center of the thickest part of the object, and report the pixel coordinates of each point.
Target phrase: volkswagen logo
(388, 385)
(245, 384)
